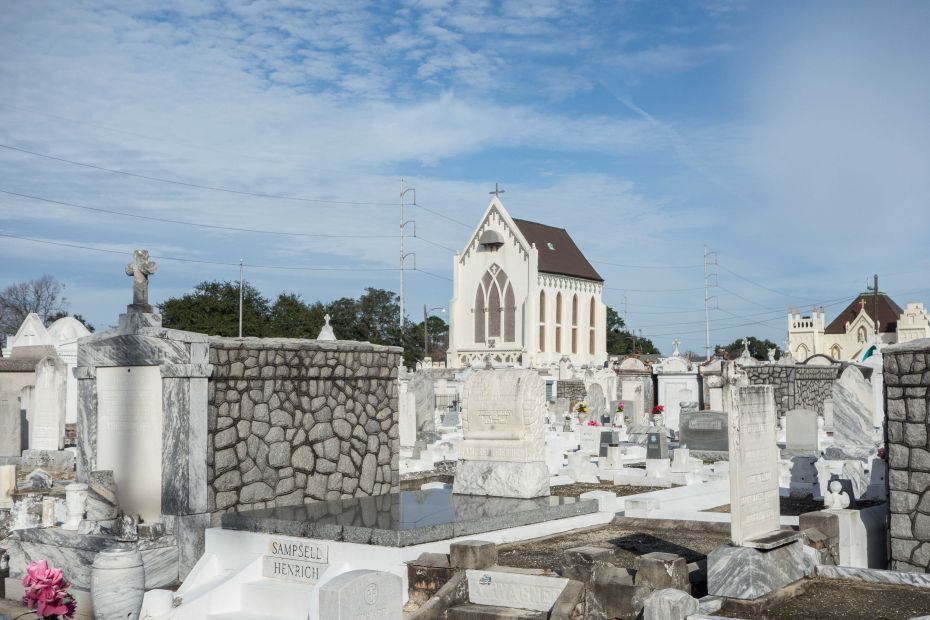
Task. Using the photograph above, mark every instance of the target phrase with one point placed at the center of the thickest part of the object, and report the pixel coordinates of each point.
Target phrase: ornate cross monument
(140, 269)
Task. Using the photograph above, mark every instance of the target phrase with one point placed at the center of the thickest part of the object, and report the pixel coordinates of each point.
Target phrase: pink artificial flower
(46, 591)
(593, 423)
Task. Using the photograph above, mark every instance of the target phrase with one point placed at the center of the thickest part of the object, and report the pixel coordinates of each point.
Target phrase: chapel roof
(888, 313)
(558, 253)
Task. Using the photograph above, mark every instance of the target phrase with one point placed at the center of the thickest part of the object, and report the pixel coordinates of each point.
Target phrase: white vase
(117, 583)
(75, 499)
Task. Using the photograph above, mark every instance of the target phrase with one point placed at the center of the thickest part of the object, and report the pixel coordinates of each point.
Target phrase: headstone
(422, 386)
(852, 410)
(129, 441)
(657, 446)
(519, 590)
(828, 415)
(704, 430)
(47, 420)
(7, 485)
(362, 594)
(589, 440)
(597, 404)
(632, 391)
(754, 497)
(681, 461)
(804, 481)
(801, 431)
(407, 416)
(502, 453)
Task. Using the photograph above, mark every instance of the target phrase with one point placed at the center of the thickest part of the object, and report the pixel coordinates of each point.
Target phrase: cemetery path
(834, 599)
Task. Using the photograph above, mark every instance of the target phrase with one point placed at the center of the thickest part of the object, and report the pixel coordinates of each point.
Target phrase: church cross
(140, 269)
(497, 190)
(862, 303)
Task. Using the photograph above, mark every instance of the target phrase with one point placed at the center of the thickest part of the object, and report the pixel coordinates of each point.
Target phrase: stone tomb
(503, 450)
(636, 388)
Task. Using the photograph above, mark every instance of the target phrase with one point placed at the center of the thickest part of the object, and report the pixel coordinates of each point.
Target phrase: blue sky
(791, 138)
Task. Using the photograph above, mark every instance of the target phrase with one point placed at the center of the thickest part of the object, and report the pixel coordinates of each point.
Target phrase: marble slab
(406, 518)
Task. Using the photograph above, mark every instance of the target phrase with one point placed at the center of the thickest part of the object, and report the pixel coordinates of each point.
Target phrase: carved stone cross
(140, 269)
(676, 342)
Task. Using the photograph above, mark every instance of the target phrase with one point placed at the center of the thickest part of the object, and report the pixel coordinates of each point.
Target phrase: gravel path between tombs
(828, 599)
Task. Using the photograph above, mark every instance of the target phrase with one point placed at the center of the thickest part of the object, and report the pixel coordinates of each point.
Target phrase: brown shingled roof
(888, 313)
(557, 252)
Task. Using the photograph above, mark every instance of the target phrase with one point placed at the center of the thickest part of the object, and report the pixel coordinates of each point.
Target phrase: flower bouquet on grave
(657, 417)
(620, 407)
(593, 423)
(47, 592)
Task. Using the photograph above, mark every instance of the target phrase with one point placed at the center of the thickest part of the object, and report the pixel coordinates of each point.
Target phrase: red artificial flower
(658, 409)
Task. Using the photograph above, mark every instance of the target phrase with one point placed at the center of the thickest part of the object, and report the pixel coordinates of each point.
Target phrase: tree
(759, 349)
(213, 308)
(291, 317)
(621, 341)
(44, 296)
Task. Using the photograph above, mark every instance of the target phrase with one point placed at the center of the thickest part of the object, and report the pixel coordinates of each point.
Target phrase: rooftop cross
(675, 343)
(140, 269)
(497, 190)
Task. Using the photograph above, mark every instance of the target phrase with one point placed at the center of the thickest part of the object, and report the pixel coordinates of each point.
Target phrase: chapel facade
(524, 295)
(851, 335)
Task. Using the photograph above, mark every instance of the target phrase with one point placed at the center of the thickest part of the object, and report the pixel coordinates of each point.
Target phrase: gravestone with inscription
(801, 433)
(704, 431)
(362, 595)
(754, 503)
(503, 450)
(513, 590)
(763, 557)
(295, 559)
(47, 417)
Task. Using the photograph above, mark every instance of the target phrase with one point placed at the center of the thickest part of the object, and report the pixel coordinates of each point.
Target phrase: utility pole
(708, 256)
(425, 333)
(875, 306)
(240, 298)
(403, 256)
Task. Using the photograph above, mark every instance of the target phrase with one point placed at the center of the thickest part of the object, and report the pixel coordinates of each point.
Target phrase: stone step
(274, 599)
(238, 615)
(472, 611)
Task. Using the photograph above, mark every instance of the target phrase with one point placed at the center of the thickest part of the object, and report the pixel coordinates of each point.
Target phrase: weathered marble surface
(362, 594)
(744, 573)
(501, 479)
(852, 410)
(871, 575)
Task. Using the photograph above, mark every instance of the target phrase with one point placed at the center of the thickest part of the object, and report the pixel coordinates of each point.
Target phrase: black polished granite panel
(406, 518)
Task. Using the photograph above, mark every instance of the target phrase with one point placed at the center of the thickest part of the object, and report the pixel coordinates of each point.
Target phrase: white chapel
(524, 295)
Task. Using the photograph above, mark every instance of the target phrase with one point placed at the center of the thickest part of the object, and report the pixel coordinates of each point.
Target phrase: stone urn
(117, 583)
(75, 500)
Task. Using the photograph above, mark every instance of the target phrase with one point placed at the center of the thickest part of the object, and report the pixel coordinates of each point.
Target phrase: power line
(196, 224)
(753, 282)
(200, 261)
(654, 290)
(443, 216)
(215, 188)
(603, 262)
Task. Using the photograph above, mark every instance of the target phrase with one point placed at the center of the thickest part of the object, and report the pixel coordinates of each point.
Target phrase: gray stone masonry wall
(297, 421)
(907, 381)
(796, 386)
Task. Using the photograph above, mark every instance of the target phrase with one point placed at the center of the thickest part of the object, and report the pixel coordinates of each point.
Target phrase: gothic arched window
(592, 324)
(861, 334)
(542, 321)
(835, 351)
(558, 323)
(495, 307)
(575, 324)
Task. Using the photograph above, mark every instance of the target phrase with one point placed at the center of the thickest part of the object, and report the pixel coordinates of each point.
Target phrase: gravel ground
(845, 600)
(549, 552)
(574, 490)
